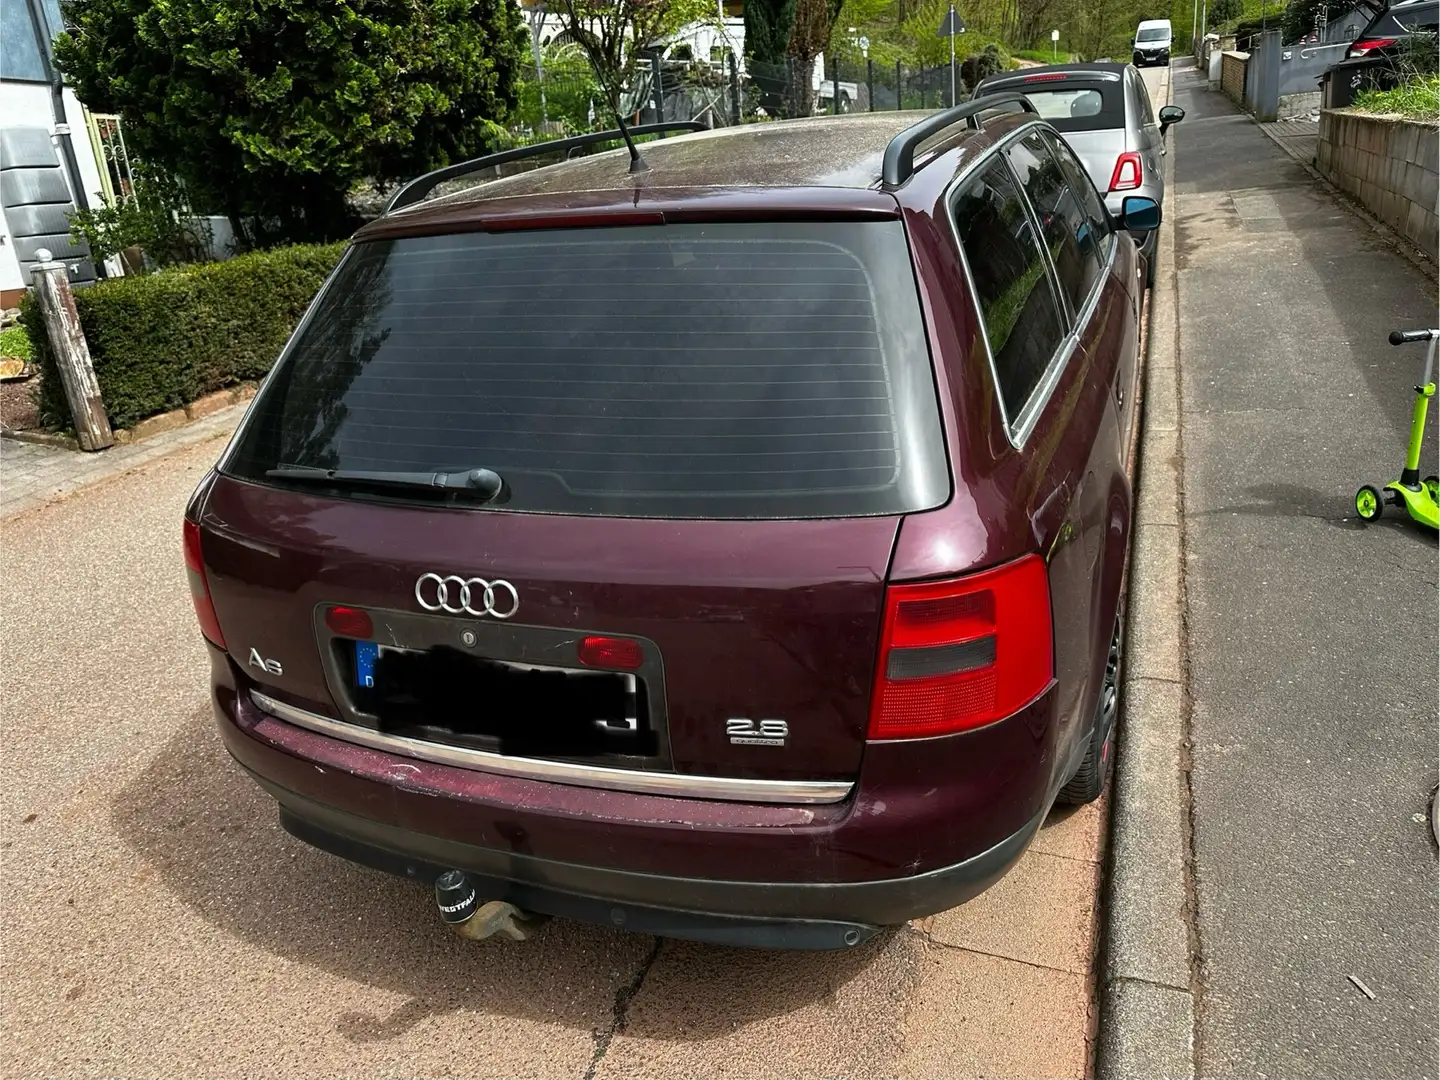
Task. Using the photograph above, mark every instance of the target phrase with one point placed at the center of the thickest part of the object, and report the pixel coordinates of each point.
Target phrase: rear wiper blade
(483, 484)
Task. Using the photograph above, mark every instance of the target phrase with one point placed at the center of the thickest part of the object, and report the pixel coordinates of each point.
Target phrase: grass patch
(1418, 99)
(14, 341)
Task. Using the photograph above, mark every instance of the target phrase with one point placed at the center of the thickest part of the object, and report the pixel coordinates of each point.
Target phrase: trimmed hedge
(160, 341)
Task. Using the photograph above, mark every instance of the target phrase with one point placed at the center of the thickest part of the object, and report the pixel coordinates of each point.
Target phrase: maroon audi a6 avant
(727, 544)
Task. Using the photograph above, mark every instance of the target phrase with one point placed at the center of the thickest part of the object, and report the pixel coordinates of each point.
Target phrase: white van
(1152, 42)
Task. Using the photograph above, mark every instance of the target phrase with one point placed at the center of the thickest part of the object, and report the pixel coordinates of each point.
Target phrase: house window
(20, 59)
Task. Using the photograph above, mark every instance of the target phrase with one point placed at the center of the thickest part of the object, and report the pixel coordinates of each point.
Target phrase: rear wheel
(1369, 503)
(1089, 779)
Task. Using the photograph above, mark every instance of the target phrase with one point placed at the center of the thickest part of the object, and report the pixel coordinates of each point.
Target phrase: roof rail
(899, 164)
(421, 186)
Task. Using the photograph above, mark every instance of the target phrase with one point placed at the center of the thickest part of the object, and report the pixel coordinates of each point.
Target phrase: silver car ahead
(1103, 111)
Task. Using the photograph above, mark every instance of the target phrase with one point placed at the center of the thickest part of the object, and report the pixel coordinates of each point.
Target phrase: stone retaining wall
(1392, 166)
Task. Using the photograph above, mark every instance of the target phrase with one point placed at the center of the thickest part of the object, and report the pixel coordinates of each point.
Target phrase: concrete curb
(1147, 1006)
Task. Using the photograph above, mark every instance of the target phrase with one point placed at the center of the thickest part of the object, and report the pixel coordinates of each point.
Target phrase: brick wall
(1392, 166)
(1232, 75)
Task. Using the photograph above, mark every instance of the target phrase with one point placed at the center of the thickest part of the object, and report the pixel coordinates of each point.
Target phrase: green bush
(14, 341)
(1417, 99)
(162, 340)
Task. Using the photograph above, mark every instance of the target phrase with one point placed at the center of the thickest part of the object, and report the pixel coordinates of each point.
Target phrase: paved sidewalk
(31, 474)
(1311, 663)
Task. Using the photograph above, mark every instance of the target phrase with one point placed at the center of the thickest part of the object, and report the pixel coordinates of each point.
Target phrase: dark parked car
(728, 549)
(1408, 24)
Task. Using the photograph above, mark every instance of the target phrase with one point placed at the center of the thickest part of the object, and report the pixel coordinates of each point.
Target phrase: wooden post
(72, 354)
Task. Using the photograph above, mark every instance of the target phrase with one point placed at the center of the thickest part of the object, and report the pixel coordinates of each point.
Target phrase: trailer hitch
(460, 906)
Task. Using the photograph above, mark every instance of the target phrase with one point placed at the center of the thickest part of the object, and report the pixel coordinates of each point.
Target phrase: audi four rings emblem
(467, 596)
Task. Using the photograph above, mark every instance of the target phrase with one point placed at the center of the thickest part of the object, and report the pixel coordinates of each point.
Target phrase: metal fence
(721, 94)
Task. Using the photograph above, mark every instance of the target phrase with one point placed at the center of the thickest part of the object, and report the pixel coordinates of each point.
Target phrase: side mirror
(1139, 214)
(1170, 115)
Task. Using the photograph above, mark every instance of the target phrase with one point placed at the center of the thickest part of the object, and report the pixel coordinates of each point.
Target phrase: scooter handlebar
(1405, 337)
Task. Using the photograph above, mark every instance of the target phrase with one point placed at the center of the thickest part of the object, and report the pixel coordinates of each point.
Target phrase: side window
(1147, 115)
(1079, 182)
(1012, 284)
(1064, 224)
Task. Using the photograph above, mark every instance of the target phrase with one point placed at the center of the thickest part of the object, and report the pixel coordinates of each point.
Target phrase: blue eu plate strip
(365, 655)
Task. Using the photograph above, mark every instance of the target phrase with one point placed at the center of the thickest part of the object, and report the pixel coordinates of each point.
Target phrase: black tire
(1089, 778)
(1150, 266)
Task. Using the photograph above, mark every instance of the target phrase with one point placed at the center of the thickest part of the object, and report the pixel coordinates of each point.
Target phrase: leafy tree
(272, 111)
(809, 37)
(614, 34)
(989, 61)
(767, 30)
(1303, 17)
(1223, 11)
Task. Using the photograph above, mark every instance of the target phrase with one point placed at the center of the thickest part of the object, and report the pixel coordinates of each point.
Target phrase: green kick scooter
(1418, 498)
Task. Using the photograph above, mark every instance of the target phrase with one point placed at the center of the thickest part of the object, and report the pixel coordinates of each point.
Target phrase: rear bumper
(784, 915)
(929, 824)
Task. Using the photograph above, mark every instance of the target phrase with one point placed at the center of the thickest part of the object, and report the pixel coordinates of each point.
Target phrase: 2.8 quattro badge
(467, 596)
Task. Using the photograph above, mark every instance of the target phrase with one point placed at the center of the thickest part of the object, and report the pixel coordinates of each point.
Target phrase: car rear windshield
(775, 370)
(1075, 106)
(1399, 21)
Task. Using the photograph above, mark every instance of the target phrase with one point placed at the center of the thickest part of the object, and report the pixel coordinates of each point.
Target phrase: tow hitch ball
(460, 906)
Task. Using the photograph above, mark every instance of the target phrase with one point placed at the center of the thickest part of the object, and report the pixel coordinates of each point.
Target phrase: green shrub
(1418, 99)
(14, 341)
(162, 340)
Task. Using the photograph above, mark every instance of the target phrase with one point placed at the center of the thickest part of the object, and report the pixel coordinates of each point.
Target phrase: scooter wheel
(1369, 503)
(1433, 483)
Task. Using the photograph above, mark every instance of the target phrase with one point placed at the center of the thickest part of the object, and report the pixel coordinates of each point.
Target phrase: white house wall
(28, 105)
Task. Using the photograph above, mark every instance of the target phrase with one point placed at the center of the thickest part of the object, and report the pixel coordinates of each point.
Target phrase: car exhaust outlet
(460, 907)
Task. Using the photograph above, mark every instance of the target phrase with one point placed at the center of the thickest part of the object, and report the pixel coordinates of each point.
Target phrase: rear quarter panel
(1064, 493)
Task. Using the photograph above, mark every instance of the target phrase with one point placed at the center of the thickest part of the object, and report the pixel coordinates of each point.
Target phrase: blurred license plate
(366, 653)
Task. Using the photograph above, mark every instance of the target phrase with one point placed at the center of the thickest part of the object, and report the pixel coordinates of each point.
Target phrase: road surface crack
(620, 1017)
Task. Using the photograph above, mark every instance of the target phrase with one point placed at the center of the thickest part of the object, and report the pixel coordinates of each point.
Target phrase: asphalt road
(1312, 639)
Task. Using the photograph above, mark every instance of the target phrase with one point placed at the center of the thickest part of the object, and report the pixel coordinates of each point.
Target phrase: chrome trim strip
(675, 785)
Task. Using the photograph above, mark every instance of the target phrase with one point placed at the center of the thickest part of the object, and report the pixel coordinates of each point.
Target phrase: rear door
(707, 434)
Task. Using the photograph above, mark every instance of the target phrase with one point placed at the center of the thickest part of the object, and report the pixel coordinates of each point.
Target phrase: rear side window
(723, 371)
(1072, 105)
(1074, 247)
(1090, 202)
(1022, 318)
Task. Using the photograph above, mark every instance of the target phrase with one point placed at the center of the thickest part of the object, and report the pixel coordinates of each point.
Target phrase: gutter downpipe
(57, 104)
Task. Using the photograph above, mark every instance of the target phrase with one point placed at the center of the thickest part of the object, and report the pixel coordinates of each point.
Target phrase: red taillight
(1360, 48)
(1052, 77)
(1127, 172)
(611, 652)
(200, 588)
(350, 622)
(956, 655)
